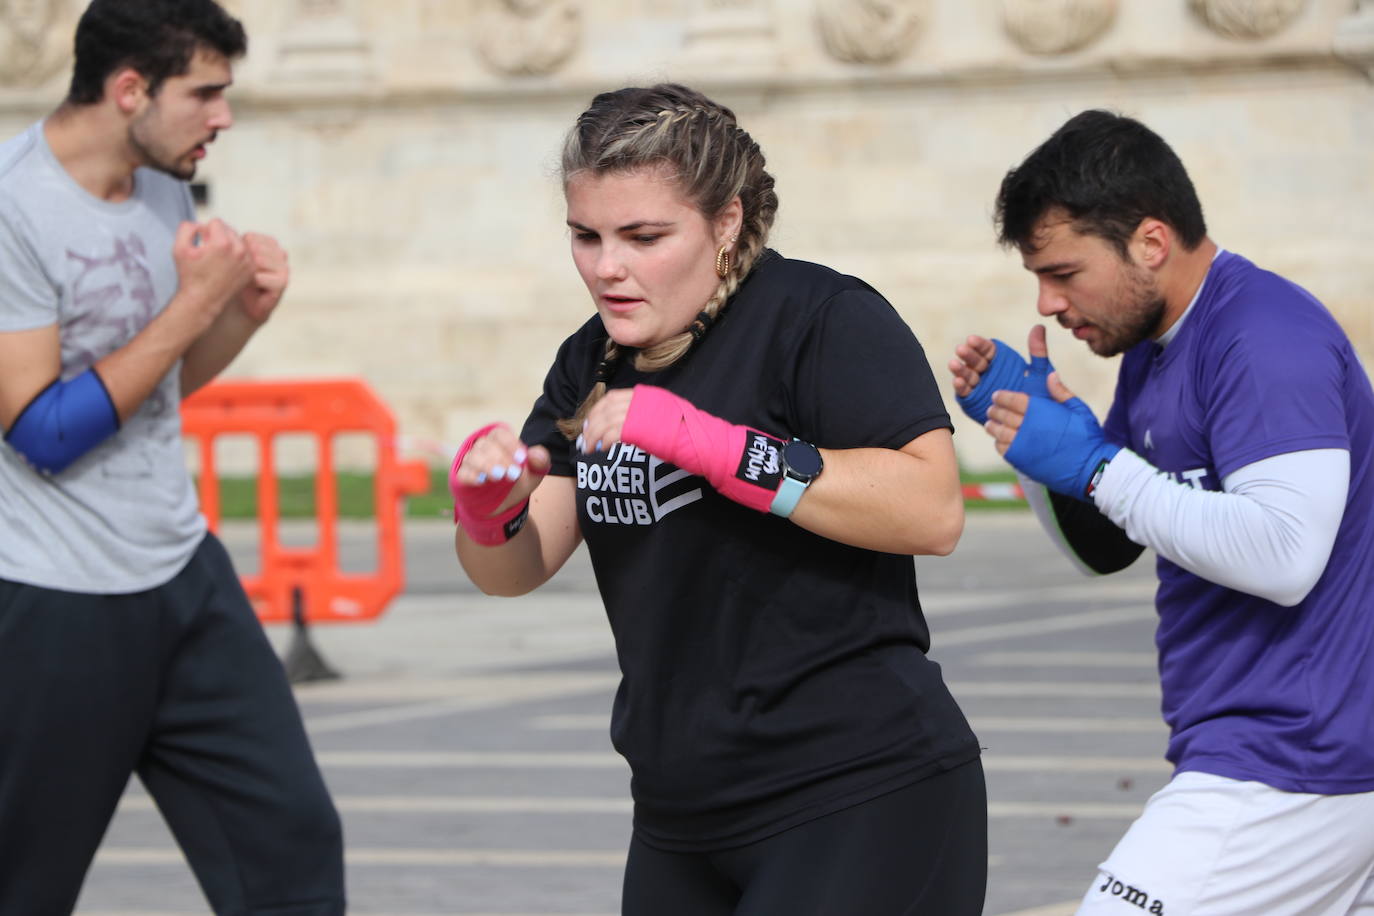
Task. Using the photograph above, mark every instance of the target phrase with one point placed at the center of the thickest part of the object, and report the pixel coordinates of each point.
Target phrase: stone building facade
(405, 152)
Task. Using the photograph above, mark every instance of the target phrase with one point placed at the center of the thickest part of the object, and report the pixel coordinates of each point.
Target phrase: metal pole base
(303, 661)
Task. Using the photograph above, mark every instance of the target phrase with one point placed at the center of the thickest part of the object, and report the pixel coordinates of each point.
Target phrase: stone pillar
(738, 35)
(324, 44)
(1355, 38)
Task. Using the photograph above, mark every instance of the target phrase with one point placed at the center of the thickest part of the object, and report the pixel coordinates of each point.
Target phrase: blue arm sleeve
(63, 422)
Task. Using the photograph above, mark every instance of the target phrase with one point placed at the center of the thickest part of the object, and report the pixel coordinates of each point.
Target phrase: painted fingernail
(598, 445)
(581, 444)
(482, 477)
(521, 455)
(513, 472)
(498, 472)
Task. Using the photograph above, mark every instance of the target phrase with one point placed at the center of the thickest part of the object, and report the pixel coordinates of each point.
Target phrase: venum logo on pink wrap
(761, 463)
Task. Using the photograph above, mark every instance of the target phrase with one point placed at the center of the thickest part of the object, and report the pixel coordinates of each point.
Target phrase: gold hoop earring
(723, 258)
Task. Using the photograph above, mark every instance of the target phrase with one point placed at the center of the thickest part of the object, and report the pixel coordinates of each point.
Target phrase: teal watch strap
(788, 495)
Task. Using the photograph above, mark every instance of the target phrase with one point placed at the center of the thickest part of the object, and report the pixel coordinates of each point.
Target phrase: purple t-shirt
(1253, 690)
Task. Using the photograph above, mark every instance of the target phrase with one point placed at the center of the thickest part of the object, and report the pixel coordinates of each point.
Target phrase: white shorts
(1210, 846)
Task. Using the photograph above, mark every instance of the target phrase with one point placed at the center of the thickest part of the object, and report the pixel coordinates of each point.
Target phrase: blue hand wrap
(1060, 445)
(63, 422)
(1008, 371)
(1036, 383)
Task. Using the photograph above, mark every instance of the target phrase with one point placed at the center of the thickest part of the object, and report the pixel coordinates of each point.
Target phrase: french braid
(714, 160)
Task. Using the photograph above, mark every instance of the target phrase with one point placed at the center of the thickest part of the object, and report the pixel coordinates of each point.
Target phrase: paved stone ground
(467, 748)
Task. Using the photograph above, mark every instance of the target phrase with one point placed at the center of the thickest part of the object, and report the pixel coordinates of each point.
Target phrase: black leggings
(918, 851)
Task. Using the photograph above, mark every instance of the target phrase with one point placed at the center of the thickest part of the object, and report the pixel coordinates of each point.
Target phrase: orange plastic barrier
(322, 408)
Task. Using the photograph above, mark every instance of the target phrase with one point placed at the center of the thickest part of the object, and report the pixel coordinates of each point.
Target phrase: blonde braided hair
(714, 161)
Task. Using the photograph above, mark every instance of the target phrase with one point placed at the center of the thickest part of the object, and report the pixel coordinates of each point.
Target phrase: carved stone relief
(1247, 18)
(35, 41)
(870, 31)
(527, 37)
(1056, 26)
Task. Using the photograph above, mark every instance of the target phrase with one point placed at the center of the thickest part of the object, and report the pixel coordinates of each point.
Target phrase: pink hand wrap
(473, 505)
(742, 463)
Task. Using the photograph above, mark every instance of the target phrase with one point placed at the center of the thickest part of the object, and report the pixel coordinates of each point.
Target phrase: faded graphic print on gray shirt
(124, 517)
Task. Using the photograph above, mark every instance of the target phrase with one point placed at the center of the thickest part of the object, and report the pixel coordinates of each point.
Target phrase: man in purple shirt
(1238, 448)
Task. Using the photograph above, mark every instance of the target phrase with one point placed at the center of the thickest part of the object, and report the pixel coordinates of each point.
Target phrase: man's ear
(1152, 243)
(128, 89)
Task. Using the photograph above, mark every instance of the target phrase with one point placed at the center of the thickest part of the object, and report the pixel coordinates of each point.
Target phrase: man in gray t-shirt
(126, 642)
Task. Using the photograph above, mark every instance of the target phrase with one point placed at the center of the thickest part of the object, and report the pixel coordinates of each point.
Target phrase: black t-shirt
(769, 675)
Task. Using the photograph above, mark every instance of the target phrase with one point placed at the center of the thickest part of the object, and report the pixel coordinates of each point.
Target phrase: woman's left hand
(605, 421)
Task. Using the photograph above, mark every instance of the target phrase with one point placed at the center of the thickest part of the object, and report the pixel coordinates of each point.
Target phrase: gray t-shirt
(124, 517)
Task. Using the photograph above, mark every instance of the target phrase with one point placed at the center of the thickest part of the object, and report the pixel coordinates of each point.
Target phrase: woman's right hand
(495, 471)
(493, 479)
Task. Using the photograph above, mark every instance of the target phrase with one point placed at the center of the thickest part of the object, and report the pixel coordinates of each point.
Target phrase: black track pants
(180, 685)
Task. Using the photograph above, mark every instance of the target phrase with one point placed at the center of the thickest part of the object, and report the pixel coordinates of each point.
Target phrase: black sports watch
(801, 464)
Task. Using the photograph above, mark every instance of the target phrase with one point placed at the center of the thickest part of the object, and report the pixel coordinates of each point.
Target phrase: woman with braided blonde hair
(753, 449)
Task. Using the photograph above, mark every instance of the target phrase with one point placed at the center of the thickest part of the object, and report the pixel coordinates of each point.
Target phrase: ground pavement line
(517, 687)
(1067, 908)
(513, 695)
(535, 760)
(1035, 724)
(422, 689)
(115, 856)
(965, 601)
(1025, 659)
(1040, 626)
(553, 805)
(389, 715)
